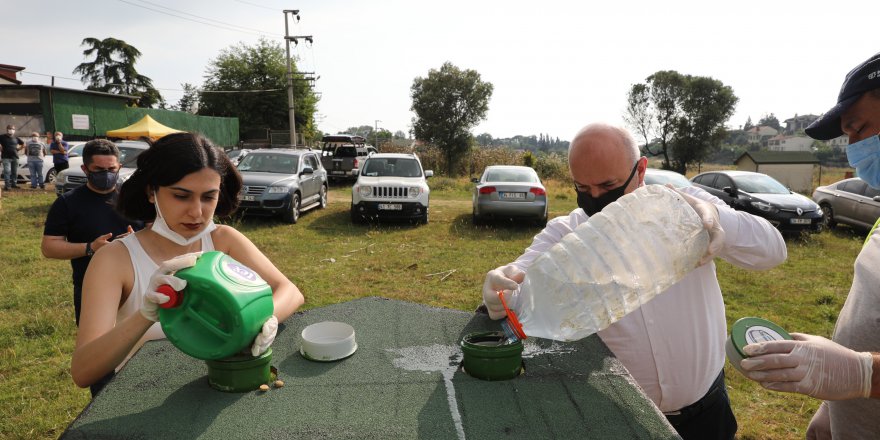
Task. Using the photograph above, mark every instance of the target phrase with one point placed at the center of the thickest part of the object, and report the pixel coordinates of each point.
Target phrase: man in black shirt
(84, 220)
(10, 145)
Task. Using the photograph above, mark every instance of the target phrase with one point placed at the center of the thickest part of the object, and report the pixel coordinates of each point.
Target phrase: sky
(555, 65)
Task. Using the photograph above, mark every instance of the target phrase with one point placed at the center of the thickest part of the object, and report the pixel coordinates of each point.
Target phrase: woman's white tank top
(143, 267)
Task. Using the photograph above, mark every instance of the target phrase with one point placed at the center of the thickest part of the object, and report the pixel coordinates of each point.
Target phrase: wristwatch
(89, 250)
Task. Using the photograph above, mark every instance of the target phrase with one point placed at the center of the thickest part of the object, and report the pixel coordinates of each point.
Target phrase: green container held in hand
(221, 309)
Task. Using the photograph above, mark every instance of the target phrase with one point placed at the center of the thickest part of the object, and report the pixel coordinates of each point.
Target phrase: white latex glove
(820, 425)
(163, 275)
(504, 278)
(708, 213)
(265, 338)
(810, 365)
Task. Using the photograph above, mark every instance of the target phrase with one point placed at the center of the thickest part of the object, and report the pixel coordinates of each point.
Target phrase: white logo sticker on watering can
(242, 273)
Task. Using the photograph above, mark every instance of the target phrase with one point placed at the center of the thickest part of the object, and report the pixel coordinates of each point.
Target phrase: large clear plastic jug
(631, 251)
(221, 310)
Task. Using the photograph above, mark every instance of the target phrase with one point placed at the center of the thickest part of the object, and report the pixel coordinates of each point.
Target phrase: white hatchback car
(391, 186)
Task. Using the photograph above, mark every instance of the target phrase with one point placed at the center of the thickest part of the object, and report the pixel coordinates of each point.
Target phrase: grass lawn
(331, 260)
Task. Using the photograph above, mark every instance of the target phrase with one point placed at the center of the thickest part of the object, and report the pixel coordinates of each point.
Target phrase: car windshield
(128, 156)
(511, 175)
(760, 184)
(269, 163)
(676, 180)
(345, 152)
(392, 167)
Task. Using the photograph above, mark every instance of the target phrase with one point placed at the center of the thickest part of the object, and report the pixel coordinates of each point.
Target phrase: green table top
(404, 381)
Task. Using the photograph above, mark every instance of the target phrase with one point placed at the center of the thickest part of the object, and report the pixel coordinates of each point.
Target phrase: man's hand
(810, 365)
(708, 213)
(266, 336)
(101, 241)
(504, 278)
(163, 275)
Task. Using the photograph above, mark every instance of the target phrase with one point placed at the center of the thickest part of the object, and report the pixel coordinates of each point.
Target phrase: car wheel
(423, 220)
(828, 217)
(50, 176)
(292, 214)
(323, 197)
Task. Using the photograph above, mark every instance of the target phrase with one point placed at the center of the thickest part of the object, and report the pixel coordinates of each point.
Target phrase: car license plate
(337, 172)
(800, 221)
(390, 206)
(247, 198)
(513, 196)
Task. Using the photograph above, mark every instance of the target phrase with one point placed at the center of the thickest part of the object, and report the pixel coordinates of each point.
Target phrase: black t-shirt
(10, 146)
(83, 215)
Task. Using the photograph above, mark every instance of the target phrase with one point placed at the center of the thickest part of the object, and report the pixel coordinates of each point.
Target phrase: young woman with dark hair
(181, 182)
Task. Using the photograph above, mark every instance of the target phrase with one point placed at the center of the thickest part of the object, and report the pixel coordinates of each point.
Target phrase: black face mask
(103, 180)
(592, 205)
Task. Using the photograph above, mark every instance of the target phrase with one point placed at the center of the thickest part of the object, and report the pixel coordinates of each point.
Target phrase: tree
(189, 102)
(249, 82)
(448, 103)
(113, 71)
(770, 121)
(684, 113)
(748, 125)
(484, 140)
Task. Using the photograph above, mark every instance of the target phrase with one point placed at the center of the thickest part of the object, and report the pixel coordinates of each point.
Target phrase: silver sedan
(509, 192)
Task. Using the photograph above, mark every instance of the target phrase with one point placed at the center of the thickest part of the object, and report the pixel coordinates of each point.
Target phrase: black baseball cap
(864, 77)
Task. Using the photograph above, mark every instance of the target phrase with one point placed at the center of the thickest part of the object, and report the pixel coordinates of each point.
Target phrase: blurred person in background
(35, 151)
(11, 145)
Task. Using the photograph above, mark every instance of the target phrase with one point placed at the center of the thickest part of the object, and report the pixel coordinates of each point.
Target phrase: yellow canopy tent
(147, 126)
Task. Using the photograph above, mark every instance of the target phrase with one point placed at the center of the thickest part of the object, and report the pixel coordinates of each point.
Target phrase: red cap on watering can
(175, 297)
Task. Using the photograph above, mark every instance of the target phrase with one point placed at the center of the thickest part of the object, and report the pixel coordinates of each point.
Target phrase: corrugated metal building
(85, 114)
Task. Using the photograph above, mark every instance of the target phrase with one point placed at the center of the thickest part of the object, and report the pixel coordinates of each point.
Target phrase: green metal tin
(240, 374)
(488, 356)
(751, 330)
(224, 306)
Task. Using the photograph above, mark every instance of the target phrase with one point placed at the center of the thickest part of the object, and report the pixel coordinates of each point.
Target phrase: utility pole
(376, 135)
(290, 102)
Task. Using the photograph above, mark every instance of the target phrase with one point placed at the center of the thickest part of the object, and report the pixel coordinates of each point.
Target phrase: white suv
(392, 186)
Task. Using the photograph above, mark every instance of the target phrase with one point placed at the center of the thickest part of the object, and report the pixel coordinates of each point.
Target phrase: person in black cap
(843, 371)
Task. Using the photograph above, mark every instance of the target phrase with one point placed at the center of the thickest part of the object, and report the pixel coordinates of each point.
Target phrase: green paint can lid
(752, 330)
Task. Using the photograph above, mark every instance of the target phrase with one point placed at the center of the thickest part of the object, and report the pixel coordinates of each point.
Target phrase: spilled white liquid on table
(446, 359)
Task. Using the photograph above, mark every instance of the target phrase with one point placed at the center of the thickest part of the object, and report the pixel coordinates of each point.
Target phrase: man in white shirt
(673, 345)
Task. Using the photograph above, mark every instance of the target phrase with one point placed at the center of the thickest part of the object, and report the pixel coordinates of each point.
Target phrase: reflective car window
(707, 179)
(128, 156)
(511, 175)
(760, 184)
(722, 182)
(392, 167)
(270, 163)
(856, 186)
(871, 192)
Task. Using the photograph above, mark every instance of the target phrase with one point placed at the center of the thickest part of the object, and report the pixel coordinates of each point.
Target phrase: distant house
(793, 169)
(760, 134)
(839, 143)
(789, 143)
(798, 123)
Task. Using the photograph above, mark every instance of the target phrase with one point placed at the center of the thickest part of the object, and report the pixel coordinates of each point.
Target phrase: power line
(200, 17)
(168, 89)
(262, 34)
(259, 6)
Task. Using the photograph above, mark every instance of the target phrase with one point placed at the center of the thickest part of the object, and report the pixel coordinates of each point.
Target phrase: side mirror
(307, 170)
(475, 180)
(729, 190)
(876, 198)
(429, 173)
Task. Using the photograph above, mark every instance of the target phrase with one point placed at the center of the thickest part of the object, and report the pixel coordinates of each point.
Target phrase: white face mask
(58, 138)
(10, 132)
(162, 228)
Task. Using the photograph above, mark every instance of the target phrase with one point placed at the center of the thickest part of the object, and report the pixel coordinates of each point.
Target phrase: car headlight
(277, 190)
(764, 206)
(365, 190)
(415, 191)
